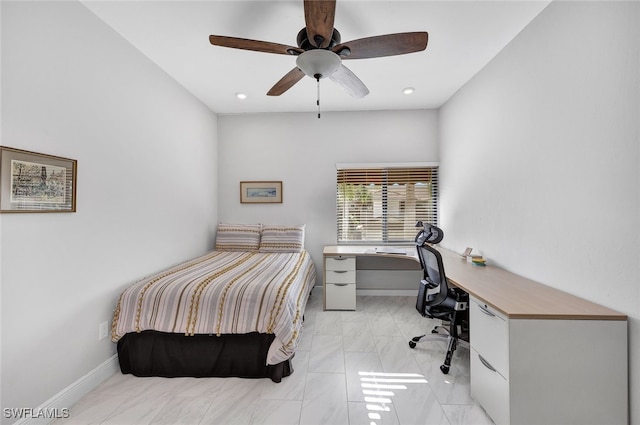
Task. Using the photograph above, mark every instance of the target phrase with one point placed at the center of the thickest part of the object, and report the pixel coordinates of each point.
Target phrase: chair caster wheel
(434, 331)
(444, 369)
(412, 344)
(416, 338)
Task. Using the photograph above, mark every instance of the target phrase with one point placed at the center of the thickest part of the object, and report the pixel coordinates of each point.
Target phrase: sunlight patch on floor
(377, 389)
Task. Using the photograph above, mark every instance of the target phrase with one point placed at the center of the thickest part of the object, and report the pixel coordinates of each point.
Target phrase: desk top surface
(515, 296)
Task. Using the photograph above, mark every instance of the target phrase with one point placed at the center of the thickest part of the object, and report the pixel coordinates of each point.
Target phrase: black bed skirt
(151, 353)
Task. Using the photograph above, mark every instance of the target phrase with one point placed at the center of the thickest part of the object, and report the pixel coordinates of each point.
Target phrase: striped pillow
(238, 237)
(277, 238)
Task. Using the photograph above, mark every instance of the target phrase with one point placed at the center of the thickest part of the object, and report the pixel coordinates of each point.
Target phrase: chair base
(452, 344)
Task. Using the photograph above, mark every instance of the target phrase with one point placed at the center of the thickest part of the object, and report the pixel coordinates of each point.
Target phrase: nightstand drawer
(340, 263)
(340, 276)
(341, 296)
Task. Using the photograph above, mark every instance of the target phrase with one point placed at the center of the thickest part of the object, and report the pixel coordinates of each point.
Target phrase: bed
(235, 311)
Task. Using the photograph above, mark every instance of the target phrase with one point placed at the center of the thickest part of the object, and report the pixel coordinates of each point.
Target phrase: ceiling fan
(320, 51)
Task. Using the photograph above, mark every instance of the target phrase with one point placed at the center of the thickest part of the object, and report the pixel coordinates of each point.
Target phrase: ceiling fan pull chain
(318, 95)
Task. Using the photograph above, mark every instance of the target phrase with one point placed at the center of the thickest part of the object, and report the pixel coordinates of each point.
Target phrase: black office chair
(437, 300)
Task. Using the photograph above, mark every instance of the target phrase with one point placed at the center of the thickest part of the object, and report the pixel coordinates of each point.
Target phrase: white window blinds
(378, 205)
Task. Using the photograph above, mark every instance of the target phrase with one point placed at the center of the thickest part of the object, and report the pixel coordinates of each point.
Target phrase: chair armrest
(430, 285)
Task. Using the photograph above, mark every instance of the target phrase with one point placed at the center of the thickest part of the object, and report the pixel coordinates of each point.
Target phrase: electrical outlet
(103, 330)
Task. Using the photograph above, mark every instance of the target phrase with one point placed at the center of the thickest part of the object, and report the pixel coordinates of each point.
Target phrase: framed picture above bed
(36, 182)
(261, 192)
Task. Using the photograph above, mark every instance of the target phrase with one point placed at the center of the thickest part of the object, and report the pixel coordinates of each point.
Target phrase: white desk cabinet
(340, 283)
(339, 267)
(490, 360)
(535, 371)
(538, 355)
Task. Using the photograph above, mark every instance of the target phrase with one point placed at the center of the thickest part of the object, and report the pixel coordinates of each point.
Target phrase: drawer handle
(485, 311)
(339, 271)
(339, 258)
(341, 284)
(486, 364)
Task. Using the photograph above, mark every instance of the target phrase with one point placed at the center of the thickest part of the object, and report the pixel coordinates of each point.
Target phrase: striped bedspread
(223, 292)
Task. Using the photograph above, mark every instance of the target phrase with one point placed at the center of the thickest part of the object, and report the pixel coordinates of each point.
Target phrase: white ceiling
(463, 37)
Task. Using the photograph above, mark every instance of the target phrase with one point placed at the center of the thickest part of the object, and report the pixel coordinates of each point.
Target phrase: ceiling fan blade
(286, 82)
(319, 16)
(255, 45)
(383, 45)
(349, 82)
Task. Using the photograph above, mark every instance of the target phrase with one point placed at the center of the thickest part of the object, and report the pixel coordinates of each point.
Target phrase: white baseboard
(381, 292)
(57, 404)
(388, 292)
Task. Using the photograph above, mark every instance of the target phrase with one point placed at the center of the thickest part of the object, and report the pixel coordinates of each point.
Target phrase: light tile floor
(352, 367)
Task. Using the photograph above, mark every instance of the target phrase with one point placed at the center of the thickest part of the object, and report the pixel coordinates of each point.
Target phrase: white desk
(538, 355)
(339, 268)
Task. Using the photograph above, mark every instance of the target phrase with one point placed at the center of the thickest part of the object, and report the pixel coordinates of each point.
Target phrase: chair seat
(441, 310)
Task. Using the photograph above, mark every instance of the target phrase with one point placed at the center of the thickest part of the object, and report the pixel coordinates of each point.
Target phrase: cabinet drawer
(490, 389)
(340, 276)
(340, 263)
(340, 296)
(489, 335)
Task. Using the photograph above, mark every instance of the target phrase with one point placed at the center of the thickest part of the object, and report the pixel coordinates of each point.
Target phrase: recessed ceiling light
(241, 96)
(408, 90)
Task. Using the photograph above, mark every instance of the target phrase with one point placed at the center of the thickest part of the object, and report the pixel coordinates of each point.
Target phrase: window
(381, 205)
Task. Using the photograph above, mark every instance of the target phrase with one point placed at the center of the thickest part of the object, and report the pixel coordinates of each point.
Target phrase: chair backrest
(428, 234)
(434, 280)
(433, 272)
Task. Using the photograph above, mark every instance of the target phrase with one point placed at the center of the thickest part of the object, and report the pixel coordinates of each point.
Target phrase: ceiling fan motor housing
(305, 44)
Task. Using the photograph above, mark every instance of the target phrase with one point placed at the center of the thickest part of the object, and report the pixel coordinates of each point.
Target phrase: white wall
(540, 165)
(146, 189)
(302, 151)
(1, 404)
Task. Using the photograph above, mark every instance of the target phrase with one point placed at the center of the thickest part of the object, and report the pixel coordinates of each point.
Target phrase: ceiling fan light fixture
(318, 63)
